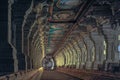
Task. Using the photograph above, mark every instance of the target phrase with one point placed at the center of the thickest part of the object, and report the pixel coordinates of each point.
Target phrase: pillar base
(88, 65)
(106, 63)
(82, 66)
(77, 66)
(112, 66)
(95, 65)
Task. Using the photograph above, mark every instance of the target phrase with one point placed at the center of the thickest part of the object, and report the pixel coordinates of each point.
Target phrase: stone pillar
(74, 53)
(115, 47)
(79, 54)
(83, 52)
(99, 48)
(64, 58)
(89, 45)
(69, 56)
(109, 35)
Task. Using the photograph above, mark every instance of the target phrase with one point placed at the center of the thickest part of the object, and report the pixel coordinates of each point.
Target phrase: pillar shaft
(82, 46)
(90, 46)
(98, 42)
(109, 35)
(116, 44)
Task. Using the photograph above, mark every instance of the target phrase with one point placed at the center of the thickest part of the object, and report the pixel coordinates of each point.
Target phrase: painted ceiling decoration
(64, 15)
(64, 10)
(51, 22)
(55, 33)
(68, 4)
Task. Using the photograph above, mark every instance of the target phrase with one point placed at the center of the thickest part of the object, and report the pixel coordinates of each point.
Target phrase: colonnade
(89, 50)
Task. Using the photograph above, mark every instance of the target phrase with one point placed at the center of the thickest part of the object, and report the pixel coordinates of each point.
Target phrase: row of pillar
(94, 49)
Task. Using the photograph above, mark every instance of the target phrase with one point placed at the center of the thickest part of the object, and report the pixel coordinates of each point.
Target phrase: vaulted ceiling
(54, 20)
(50, 24)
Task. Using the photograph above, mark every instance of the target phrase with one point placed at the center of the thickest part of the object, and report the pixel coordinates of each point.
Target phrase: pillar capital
(88, 41)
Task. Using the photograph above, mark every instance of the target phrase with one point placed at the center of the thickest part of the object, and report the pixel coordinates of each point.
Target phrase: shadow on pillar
(28, 63)
(6, 59)
(21, 61)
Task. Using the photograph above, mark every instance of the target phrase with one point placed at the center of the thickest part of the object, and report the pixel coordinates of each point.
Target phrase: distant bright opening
(48, 63)
(119, 48)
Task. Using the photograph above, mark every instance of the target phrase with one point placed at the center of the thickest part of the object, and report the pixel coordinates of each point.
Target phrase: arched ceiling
(54, 19)
(50, 24)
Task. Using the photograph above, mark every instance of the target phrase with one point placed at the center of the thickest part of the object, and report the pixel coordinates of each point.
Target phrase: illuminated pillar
(68, 50)
(83, 54)
(68, 57)
(66, 63)
(72, 55)
(64, 58)
(78, 53)
(75, 54)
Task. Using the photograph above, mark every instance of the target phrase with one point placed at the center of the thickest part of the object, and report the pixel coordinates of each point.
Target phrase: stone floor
(52, 75)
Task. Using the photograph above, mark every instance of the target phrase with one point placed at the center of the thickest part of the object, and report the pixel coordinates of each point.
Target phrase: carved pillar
(74, 53)
(79, 52)
(90, 46)
(83, 54)
(66, 62)
(99, 48)
(68, 57)
(68, 50)
(64, 59)
(116, 47)
(109, 35)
